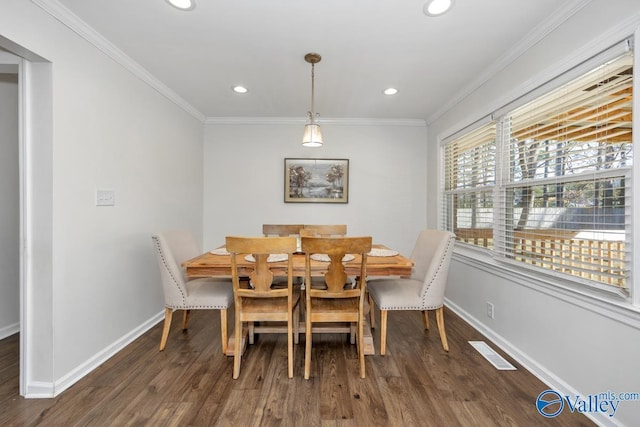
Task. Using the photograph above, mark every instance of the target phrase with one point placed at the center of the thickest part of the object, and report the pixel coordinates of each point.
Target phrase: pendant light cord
(313, 65)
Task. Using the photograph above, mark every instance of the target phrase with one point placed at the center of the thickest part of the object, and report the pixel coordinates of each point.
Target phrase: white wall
(577, 344)
(244, 180)
(9, 207)
(109, 130)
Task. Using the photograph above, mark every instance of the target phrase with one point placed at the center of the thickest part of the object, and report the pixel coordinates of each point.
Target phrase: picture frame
(316, 180)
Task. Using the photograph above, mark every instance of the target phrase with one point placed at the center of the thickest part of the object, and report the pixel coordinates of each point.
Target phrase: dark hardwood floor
(190, 384)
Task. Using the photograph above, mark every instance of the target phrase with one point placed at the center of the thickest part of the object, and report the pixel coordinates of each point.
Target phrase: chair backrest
(261, 278)
(327, 230)
(432, 256)
(172, 249)
(282, 230)
(335, 278)
(309, 232)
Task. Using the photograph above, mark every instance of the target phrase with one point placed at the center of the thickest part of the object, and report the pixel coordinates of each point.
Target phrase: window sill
(611, 304)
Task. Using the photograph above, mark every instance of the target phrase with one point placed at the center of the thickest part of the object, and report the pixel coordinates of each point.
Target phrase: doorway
(31, 189)
(9, 196)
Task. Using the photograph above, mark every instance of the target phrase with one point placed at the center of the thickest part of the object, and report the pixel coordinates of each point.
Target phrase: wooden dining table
(218, 263)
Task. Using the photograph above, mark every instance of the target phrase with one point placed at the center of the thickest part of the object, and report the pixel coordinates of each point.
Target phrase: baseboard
(39, 390)
(7, 331)
(81, 371)
(549, 378)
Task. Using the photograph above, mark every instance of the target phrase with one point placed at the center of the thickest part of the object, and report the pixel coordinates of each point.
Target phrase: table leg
(232, 338)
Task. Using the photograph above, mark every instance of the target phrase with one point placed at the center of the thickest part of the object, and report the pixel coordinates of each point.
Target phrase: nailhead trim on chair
(435, 276)
(164, 262)
(396, 307)
(196, 307)
(424, 306)
(184, 306)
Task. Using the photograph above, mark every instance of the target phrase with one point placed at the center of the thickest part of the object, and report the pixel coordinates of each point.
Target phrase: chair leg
(372, 317)
(296, 324)
(425, 319)
(237, 352)
(352, 333)
(383, 332)
(185, 319)
(252, 335)
(443, 335)
(307, 347)
(361, 345)
(290, 343)
(224, 334)
(168, 314)
(303, 297)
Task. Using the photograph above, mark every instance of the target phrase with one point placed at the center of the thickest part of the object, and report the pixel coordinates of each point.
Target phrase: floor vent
(494, 358)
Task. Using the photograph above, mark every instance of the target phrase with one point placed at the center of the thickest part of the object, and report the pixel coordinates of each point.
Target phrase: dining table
(381, 262)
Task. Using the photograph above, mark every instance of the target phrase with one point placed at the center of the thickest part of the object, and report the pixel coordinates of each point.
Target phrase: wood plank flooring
(190, 384)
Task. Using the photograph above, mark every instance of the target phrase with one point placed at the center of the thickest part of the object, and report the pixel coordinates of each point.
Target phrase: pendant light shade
(312, 134)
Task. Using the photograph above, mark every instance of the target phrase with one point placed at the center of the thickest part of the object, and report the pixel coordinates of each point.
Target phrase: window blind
(564, 201)
(469, 175)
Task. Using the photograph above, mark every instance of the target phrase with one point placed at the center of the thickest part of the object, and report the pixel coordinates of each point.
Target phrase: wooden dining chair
(256, 299)
(282, 230)
(423, 291)
(309, 232)
(328, 230)
(337, 300)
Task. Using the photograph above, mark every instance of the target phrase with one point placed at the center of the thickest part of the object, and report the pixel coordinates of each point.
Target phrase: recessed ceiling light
(183, 4)
(390, 91)
(240, 89)
(437, 7)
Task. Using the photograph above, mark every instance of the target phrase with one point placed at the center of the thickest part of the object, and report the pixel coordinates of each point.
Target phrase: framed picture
(316, 180)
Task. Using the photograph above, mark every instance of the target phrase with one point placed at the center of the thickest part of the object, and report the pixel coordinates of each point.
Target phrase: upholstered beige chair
(173, 248)
(258, 299)
(423, 291)
(336, 300)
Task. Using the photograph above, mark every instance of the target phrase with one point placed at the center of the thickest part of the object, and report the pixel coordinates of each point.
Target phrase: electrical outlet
(490, 312)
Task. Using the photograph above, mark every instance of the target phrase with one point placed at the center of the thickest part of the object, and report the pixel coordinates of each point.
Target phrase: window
(470, 177)
(547, 185)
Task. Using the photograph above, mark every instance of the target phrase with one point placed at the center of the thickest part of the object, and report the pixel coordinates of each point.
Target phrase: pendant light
(312, 135)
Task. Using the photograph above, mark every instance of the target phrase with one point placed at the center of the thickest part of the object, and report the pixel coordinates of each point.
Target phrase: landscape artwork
(316, 180)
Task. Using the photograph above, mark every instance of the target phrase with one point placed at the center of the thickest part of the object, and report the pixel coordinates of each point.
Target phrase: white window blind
(469, 176)
(563, 201)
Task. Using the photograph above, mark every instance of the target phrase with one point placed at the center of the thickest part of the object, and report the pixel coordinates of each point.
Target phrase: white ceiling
(366, 46)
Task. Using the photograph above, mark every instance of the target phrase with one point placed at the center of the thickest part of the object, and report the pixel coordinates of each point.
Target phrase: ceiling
(366, 46)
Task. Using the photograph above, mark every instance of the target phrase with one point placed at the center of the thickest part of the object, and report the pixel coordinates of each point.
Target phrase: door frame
(35, 158)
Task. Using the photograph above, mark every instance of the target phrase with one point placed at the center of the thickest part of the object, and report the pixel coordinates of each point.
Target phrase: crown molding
(75, 24)
(541, 31)
(244, 121)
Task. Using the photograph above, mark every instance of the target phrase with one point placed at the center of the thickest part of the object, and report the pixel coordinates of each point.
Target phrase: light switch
(105, 198)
